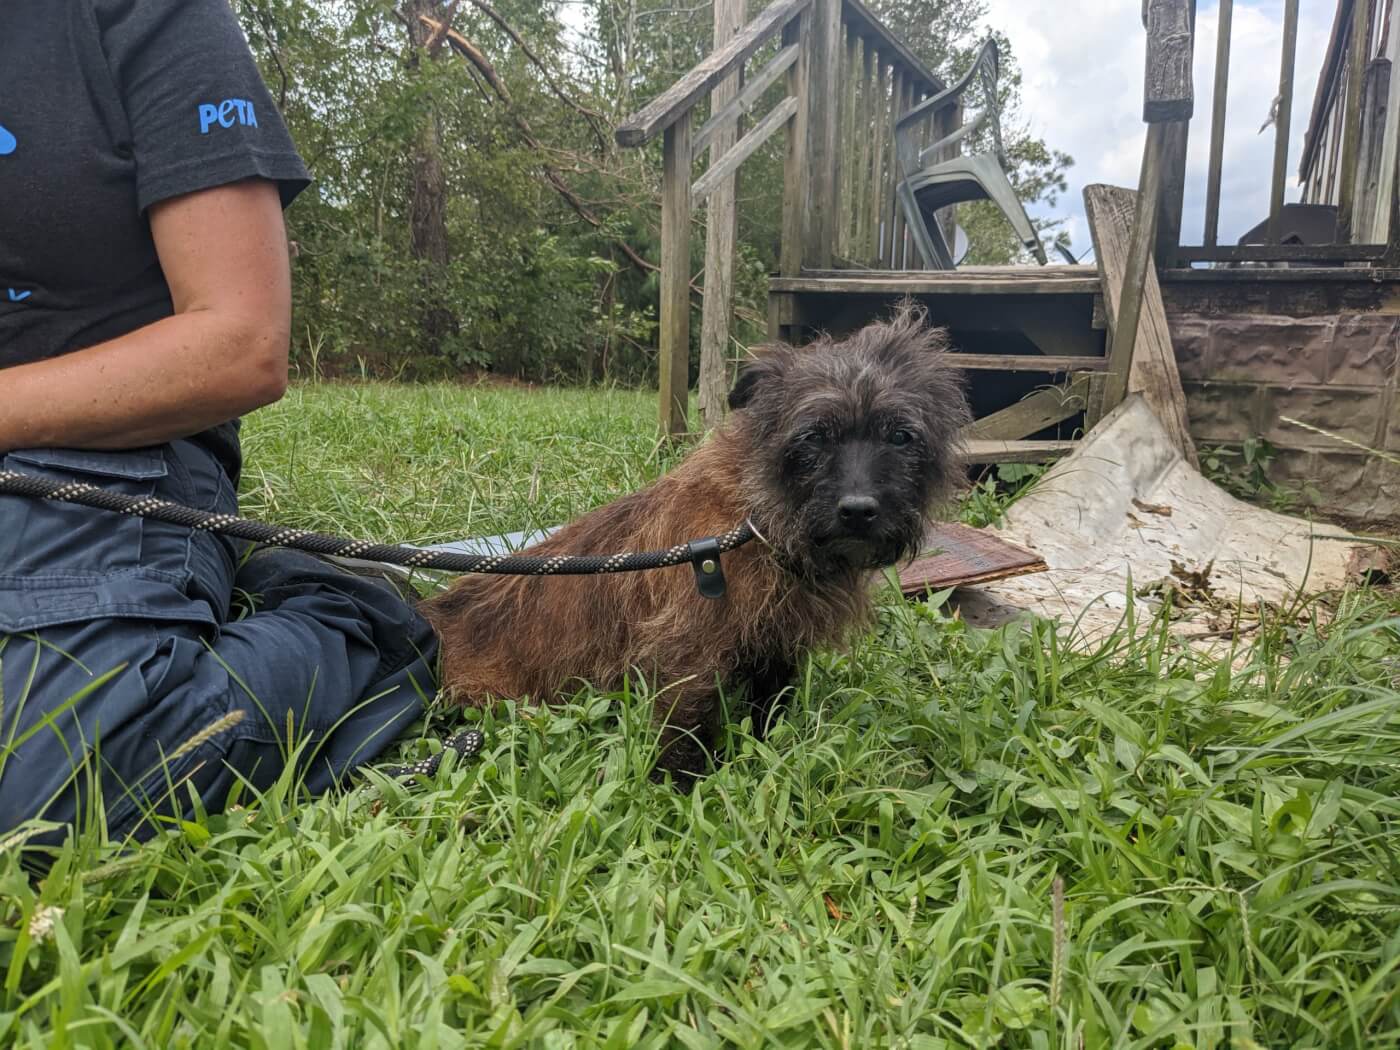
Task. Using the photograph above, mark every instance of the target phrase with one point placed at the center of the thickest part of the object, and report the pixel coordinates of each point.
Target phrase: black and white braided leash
(468, 744)
(703, 555)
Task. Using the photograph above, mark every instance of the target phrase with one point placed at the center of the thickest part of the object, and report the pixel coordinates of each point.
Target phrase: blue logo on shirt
(226, 114)
(19, 297)
(8, 143)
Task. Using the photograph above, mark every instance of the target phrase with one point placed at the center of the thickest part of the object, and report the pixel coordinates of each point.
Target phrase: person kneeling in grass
(145, 306)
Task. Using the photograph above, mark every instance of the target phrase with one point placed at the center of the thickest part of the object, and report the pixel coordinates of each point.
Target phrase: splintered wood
(1151, 369)
(959, 556)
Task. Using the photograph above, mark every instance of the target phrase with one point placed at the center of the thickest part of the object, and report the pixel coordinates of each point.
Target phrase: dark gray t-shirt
(108, 107)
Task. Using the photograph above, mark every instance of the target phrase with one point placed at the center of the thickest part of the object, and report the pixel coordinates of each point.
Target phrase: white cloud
(1082, 68)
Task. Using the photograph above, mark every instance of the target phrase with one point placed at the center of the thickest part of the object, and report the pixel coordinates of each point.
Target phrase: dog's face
(854, 441)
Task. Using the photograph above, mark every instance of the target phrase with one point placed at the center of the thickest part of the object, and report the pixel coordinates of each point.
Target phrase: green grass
(950, 838)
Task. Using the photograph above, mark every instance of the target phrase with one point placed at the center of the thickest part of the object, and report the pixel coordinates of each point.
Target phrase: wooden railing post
(823, 125)
(795, 161)
(1283, 118)
(675, 277)
(721, 231)
(1169, 101)
(899, 103)
(1359, 45)
(878, 117)
(860, 190)
(1224, 23)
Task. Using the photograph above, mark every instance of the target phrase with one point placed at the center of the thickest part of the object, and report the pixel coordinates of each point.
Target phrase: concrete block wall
(1246, 364)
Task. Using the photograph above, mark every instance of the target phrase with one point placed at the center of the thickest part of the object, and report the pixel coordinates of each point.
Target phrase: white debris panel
(1123, 513)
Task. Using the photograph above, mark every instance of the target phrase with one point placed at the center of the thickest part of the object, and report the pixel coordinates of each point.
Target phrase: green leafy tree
(470, 210)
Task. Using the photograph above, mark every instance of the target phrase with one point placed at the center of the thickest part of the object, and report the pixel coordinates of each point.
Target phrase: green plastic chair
(926, 188)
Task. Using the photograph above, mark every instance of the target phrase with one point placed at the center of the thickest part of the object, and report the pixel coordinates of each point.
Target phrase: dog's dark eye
(814, 437)
(900, 437)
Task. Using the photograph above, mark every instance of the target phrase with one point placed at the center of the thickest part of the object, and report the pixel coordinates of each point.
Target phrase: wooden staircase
(1049, 350)
(1031, 339)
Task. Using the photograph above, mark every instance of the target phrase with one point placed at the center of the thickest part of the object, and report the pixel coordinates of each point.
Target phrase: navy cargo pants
(125, 685)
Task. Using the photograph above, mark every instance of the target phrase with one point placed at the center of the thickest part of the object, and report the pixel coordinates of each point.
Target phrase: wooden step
(1028, 362)
(972, 280)
(986, 451)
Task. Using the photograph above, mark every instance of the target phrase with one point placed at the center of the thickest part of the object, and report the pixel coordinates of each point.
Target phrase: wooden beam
(1392, 253)
(1359, 42)
(823, 145)
(1130, 284)
(721, 231)
(1032, 414)
(753, 91)
(1151, 369)
(846, 186)
(1173, 192)
(993, 451)
(761, 132)
(795, 160)
(1293, 275)
(1168, 95)
(1375, 96)
(864, 133)
(675, 277)
(879, 115)
(1170, 100)
(667, 108)
(1224, 22)
(898, 234)
(1281, 253)
(1051, 363)
(971, 280)
(1283, 116)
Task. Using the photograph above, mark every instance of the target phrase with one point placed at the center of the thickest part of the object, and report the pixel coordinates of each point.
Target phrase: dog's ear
(753, 373)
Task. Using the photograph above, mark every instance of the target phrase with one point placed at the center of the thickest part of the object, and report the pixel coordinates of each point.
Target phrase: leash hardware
(709, 573)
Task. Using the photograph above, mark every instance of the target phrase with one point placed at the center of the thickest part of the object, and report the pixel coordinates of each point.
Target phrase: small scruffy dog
(836, 452)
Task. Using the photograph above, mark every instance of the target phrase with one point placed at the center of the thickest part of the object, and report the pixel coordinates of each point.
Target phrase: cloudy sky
(1082, 62)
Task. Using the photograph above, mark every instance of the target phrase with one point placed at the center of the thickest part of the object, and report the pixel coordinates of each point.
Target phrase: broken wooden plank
(1134, 262)
(985, 451)
(961, 556)
(1042, 409)
(1152, 370)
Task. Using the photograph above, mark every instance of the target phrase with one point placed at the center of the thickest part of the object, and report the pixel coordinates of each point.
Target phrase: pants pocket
(46, 536)
(63, 563)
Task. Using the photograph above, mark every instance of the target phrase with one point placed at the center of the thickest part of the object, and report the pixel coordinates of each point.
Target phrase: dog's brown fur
(531, 636)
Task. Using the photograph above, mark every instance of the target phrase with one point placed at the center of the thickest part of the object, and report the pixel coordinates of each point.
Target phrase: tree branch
(483, 66)
(589, 115)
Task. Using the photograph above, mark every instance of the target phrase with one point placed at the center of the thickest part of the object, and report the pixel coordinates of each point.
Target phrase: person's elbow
(265, 353)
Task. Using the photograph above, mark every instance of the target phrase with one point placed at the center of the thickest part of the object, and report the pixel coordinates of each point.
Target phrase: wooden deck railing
(846, 80)
(1171, 45)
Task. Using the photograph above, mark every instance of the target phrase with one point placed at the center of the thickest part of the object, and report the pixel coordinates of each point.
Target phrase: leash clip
(709, 573)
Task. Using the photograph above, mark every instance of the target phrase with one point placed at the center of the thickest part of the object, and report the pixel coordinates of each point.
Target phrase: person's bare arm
(222, 354)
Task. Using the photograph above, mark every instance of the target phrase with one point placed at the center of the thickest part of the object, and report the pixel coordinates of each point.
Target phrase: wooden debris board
(961, 556)
(1152, 370)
